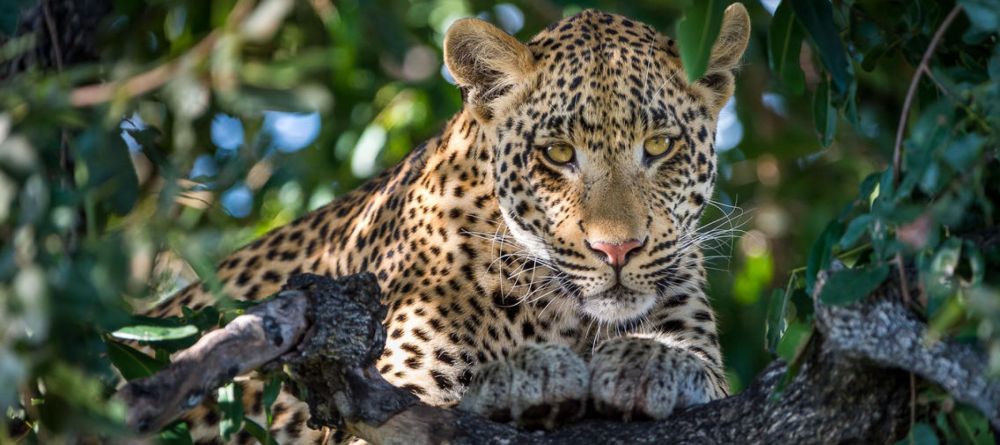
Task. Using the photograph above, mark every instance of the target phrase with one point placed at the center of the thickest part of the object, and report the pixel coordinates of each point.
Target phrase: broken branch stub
(340, 350)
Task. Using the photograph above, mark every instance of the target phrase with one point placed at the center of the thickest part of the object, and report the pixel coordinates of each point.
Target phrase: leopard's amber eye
(560, 153)
(658, 146)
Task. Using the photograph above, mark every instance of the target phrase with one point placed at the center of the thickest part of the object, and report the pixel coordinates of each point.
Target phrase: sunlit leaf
(938, 274)
(696, 34)
(230, 399)
(150, 333)
(776, 322)
(819, 254)
(790, 349)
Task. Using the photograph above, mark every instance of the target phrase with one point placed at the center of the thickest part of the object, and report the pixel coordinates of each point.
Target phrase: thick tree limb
(885, 333)
(852, 386)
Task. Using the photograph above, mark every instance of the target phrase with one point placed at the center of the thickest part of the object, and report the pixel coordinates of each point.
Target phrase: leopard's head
(601, 150)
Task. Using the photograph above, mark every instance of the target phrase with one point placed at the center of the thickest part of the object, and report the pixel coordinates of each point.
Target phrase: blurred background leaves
(140, 142)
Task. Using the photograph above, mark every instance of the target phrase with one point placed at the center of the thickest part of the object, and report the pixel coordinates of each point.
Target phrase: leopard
(540, 257)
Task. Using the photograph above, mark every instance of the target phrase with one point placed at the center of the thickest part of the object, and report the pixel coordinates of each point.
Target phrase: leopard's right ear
(485, 62)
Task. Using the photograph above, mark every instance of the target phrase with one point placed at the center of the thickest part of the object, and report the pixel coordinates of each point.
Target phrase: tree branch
(922, 67)
(852, 386)
(248, 342)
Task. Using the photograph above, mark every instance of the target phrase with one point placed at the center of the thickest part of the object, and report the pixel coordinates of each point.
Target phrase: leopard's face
(604, 166)
(601, 150)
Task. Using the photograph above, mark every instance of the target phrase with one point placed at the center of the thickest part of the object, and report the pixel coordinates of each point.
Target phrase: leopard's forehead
(595, 37)
(600, 72)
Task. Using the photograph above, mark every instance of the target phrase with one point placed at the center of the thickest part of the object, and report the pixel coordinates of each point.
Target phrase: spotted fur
(483, 247)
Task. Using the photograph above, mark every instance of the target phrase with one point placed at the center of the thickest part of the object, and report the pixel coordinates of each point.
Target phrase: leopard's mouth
(618, 291)
(617, 304)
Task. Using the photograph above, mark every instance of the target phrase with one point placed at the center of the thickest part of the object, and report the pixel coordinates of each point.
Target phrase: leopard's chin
(618, 305)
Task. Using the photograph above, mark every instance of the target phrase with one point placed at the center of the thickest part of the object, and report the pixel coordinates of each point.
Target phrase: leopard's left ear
(485, 62)
(726, 53)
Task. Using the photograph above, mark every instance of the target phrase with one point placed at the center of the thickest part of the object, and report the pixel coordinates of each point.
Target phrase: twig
(50, 25)
(983, 125)
(897, 155)
(90, 95)
(142, 83)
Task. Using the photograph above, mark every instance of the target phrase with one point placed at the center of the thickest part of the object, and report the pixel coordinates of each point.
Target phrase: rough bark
(852, 385)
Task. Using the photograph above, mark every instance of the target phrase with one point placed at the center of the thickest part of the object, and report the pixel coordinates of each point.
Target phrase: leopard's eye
(658, 146)
(560, 153)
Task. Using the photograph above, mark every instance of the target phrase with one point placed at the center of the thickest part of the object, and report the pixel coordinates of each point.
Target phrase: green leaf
(938, 275)
(855, 229)
(819, 254)
(824, 115)
(107, 163)
(258, 432)
(984, 14)
(131, 363)
(849, 285)
(176, 433)
(790, 349)
(816, 16)
(794, 339)
(696, 34)
(204, 319)
(977, 264)
(776, 322)
(972, 426)
(230, 399)
(784, 42)
(271, 391)
(962, 153)
(920, 434)
(150, 333)
(872, 57)
(10, 13)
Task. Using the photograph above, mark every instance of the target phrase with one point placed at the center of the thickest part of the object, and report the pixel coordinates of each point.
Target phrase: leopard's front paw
(642, 378)
(538, 386)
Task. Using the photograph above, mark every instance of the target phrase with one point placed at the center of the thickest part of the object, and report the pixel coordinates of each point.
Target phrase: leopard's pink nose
(616, 254)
